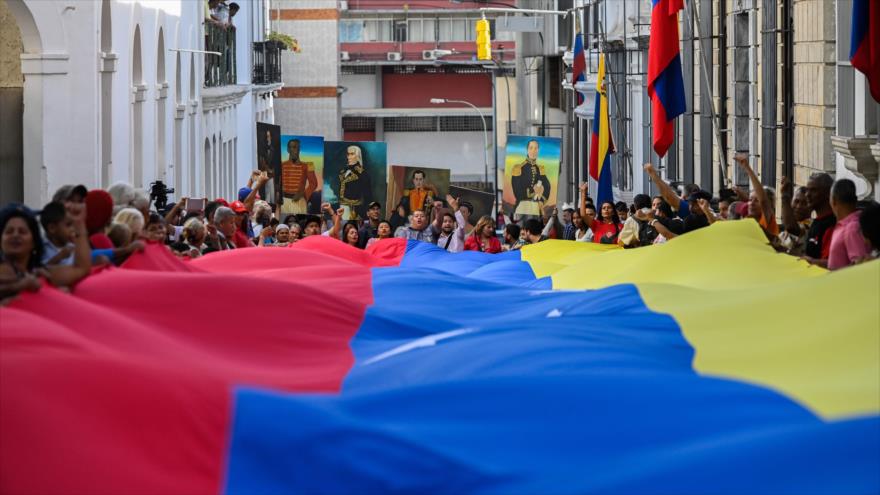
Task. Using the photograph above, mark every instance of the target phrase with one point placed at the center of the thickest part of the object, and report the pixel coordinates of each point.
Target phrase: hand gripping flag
(580, 64)
(865, 49)
(665, 83)
(601, 144)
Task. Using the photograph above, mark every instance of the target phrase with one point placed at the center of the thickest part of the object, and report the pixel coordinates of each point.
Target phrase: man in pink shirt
(847, 243)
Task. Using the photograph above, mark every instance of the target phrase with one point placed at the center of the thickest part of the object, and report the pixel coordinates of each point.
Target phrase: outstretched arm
(763, 200)
(261, 181)
(337, 217)
(177, 207)
(707, 210)
(665, 189)
(582, 205)
(437, 212)
(659, 227)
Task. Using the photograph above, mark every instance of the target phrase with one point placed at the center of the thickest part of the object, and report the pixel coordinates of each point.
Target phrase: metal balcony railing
(267, 62)
(219, 70)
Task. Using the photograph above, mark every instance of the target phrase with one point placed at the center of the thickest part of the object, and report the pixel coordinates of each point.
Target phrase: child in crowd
(59, 235)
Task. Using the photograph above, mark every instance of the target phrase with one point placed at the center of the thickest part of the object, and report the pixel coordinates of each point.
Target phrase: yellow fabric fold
(750, 313)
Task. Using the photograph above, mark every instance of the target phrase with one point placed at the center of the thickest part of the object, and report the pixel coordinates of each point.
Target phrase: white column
(45, 89)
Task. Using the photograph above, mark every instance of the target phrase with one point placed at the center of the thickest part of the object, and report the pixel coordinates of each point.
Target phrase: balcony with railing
(219, 69)
(267, 62)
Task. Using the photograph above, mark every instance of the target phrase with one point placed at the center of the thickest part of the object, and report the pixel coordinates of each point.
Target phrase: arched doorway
(44, 65)
(11, 109)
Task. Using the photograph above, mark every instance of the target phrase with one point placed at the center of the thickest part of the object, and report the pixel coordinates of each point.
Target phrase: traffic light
(484, 40)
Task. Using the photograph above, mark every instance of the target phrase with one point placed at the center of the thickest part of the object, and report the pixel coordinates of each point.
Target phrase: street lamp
(440, 101)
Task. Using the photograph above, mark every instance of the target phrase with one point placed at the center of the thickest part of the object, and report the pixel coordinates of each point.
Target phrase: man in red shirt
(240, 238)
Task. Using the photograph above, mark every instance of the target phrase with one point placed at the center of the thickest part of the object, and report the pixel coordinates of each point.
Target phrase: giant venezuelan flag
(700, 366)
(865, 42)
(665, 83)
(601, 142)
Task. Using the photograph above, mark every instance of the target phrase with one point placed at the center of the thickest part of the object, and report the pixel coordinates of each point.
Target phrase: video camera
(159, 194)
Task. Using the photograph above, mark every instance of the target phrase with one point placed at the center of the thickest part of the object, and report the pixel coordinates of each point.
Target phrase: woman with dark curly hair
(21, 252)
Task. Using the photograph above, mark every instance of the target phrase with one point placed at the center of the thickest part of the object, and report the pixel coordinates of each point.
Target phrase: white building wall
(311, 77)
(63, 63)
(360, 91)
(460, 152)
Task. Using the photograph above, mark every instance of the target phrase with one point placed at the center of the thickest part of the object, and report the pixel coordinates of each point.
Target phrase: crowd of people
(822, 222)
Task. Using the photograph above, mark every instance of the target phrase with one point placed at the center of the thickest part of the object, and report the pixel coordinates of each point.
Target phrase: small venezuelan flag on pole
(579, 65)
(865, 49)
(601, 145)
(665, 82)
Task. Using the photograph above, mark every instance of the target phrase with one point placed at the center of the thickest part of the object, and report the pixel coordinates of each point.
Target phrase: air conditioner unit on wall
(344, 57)
(429, 55)
(395, 56)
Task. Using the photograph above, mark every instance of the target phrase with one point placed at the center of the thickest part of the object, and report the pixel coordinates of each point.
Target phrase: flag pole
(694, 19)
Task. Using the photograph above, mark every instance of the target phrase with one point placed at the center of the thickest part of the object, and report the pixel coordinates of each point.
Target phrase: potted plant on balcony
(283, 41)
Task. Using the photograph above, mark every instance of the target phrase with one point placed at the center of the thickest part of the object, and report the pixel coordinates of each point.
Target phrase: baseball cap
(376, 204)
(238, 207)
(567, 207)
(222, 202)
(243, 193)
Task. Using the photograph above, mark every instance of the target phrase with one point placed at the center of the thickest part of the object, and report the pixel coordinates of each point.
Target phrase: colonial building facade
(129, 90)
(771, 78)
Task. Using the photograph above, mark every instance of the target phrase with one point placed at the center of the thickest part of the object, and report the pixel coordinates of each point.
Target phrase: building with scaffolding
(761, 76)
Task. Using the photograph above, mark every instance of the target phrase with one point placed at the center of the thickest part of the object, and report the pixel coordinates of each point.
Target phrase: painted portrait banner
(355, 175)
(481, 201)
(414, 188)
(531, 176)
(269, 159)
(302, 172)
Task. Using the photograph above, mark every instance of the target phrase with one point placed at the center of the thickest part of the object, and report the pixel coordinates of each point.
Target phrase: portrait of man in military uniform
(414, 188)
(420, 196)
(531, 176)
(531, 187)
(269, 158)
(355, 186)
(298, 181)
